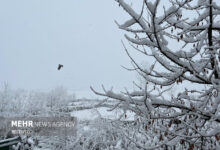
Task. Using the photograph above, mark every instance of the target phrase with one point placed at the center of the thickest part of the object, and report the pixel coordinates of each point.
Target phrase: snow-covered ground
(100, 112)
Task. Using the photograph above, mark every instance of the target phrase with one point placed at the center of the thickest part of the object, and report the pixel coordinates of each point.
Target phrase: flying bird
(59, 67)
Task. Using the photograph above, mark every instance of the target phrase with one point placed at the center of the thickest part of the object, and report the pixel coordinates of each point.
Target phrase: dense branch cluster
(183, 42)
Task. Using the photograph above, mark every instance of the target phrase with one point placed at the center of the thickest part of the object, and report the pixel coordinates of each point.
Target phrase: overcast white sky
(37, 35)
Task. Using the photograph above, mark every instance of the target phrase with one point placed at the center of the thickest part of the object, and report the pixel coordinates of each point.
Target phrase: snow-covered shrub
(99, 134)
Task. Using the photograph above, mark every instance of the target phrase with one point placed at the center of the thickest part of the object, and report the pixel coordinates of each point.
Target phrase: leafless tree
(181, 38)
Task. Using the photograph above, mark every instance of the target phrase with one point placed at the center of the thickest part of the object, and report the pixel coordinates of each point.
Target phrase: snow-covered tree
(4, 97)
(181, 41)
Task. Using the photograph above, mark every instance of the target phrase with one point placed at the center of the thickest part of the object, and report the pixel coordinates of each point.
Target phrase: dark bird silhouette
(59, 67)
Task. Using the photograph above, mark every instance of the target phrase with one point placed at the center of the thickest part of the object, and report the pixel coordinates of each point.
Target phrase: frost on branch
(185, 53)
